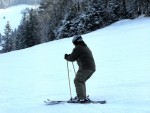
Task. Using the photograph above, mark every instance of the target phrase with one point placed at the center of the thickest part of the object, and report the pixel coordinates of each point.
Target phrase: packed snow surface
(122, 56)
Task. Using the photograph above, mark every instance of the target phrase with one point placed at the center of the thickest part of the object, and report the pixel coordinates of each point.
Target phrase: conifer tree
(21, 32)
(7, 46)
(28, 33)
(32, 29)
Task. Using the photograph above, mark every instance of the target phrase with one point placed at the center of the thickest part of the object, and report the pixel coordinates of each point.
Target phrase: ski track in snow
(122, 55)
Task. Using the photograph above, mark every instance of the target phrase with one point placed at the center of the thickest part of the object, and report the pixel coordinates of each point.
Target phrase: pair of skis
(54, 102)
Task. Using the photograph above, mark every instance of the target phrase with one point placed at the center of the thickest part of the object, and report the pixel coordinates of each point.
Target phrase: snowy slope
(122, 55)
(13, 15)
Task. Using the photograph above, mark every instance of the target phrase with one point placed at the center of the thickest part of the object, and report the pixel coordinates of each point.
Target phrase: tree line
(57, 19)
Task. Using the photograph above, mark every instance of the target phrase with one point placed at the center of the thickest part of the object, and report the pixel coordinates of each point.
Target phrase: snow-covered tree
(52, 13)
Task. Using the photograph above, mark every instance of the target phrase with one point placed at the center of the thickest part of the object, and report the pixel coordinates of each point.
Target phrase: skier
(83, 55)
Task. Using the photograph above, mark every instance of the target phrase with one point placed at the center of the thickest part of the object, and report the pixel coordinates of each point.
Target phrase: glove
(65, 57)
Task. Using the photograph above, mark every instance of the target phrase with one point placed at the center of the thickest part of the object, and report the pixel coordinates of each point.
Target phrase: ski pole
(74, 68)
(69, 80)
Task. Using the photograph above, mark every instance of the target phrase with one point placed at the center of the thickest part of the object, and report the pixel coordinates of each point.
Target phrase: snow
(122, 55)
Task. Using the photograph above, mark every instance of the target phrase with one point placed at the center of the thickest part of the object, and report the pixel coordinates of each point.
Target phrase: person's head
(77, 39)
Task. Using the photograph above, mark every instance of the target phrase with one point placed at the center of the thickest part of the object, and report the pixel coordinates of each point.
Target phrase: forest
(57, 19)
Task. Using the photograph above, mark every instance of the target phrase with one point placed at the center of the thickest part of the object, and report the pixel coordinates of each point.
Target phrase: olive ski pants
(82, 76)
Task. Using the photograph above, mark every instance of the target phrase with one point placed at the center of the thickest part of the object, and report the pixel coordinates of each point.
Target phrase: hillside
(13, 15)
(122, 55)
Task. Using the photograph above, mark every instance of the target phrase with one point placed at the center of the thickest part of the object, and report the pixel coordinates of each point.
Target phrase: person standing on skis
(83, 55)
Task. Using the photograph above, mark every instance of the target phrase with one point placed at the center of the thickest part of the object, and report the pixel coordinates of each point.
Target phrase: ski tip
(103, 102)
(98, 102)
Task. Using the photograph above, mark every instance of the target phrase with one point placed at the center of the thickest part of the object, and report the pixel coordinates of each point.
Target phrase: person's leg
(80, 79)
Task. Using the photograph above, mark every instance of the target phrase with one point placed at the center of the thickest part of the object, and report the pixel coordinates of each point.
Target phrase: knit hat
(77, 38)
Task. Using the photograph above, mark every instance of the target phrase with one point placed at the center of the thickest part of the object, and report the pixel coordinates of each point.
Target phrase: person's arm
(74, 55)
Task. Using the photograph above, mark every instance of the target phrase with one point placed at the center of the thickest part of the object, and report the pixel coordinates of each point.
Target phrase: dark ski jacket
(83, 55)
